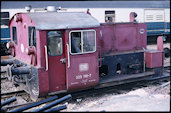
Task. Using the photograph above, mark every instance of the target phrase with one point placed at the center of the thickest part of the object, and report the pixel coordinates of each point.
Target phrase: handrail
(68, 55)
(46, 57)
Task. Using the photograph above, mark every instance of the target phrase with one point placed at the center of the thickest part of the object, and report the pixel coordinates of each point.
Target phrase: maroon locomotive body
(59, 52)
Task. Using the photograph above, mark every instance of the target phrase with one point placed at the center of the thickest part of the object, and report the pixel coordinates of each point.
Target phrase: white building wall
(167, 15)
(97, 13)
(13, 11)
(121, 14)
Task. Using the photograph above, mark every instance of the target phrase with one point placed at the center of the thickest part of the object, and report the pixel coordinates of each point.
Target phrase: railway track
(119, 89)
(12, 93)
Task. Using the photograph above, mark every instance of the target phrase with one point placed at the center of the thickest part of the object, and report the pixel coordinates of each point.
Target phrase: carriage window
(82, 41)
(14, 34)
(54, 42)
(32, 36)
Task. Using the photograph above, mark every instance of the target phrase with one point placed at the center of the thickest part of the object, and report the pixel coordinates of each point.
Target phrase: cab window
(76, 42)
(32, 36)
(54, 43)
(88, 41)
(14, 34)
(83, 41)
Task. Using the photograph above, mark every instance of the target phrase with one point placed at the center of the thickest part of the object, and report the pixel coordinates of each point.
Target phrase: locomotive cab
(58, 49)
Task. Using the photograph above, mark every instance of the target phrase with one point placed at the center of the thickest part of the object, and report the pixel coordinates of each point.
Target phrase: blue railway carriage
(5, 33)
(158, 23)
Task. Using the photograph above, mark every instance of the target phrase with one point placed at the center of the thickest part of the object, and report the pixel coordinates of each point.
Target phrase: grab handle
(68, 55)
(46, 57)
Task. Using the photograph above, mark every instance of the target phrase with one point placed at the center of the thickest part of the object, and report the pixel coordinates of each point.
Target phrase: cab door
(82, 60)
(56, 61)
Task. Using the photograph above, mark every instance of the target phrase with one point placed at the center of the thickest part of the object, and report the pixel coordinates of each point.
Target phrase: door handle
(63, 60)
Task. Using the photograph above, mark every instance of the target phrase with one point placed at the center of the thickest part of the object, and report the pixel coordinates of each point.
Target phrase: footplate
(122, 79)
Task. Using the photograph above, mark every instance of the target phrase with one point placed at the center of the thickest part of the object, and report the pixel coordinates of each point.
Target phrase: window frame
(61, 42)
(82, 52)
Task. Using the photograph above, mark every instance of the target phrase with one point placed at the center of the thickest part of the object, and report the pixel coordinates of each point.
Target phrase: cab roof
(62, 20)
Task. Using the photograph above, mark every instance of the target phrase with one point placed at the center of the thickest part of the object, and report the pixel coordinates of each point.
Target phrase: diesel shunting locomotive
(60, 52)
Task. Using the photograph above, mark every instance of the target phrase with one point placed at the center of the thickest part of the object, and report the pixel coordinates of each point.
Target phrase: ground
(152, 98)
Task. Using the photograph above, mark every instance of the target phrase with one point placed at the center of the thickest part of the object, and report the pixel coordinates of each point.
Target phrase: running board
(122, 79)
(164, 76)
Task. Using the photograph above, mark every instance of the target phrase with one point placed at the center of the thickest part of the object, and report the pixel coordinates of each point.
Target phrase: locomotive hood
(62, 20)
